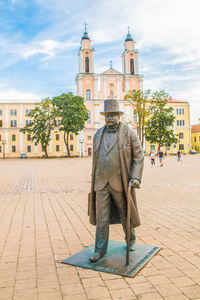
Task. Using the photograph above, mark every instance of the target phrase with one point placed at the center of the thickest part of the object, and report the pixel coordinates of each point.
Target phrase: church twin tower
(111, 84)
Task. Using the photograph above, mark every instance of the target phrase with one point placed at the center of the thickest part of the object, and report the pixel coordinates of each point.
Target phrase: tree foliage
(159, 127)
(72, 113)
(139, 99)
(42, 123)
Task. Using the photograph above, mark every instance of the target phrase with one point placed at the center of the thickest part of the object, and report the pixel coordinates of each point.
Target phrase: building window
(199, 138)
(13, 137)
(29, 148)
(89, 137)
(87, 64)
(89, 120)
(195, 139)
(180, 122)
(58, 122)
(111, 91)
(71, 137)
(57, 137)
(13, 112)
(0, 112)
(13, 123)
(13, 148)
(181, 135)
(132, 65)
(28, 111)
(0, 137)
(180, 111)
(28, 122)
(57, 148)
(174, 146)
(71, 147)
(181, 146)
(28, 137)
(88, 94)
(1, 123)
(168, 148)
(0, 149)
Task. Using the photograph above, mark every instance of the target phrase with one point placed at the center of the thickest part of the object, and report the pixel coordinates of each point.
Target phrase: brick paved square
(43, 220)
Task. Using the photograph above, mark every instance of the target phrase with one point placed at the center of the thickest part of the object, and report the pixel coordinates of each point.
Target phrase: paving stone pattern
(43, 220)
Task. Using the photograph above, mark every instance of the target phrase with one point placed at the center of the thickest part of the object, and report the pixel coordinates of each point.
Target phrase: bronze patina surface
(115, 260)
(116, 173)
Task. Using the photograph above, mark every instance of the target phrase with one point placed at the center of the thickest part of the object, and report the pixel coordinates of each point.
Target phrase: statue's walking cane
(128, 224)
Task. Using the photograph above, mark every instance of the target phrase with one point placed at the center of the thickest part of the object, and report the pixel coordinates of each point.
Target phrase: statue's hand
(134, 183)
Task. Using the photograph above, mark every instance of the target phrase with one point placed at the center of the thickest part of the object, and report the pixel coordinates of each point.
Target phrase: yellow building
(182, 129)
(13, 143)
(196, 137)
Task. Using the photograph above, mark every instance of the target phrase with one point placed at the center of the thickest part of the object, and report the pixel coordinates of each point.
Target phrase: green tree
(42, 123)
(72, 113)
(138, 100)
(159, 127)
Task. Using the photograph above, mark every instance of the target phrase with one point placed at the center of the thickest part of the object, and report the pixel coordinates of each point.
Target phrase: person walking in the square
(178, 155)
(160, 156)
(152, 157)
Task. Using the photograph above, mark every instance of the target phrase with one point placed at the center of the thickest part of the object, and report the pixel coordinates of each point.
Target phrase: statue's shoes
(132, 246)
(96, 257)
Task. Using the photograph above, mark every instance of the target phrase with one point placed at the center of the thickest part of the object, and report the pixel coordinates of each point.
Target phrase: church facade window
(87, 64)
(111, 91)
(89, 120)
(88, 94)
(132, 65)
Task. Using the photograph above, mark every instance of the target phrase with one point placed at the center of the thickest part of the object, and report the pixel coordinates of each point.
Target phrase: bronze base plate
(115, 260)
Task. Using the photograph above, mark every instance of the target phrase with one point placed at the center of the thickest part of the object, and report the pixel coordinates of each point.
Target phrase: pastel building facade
(13, 143)
(181, 127)
(196, 137)
(111, 84)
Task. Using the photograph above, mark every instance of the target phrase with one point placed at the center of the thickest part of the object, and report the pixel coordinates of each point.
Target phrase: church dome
(128, 38)
(85, 36)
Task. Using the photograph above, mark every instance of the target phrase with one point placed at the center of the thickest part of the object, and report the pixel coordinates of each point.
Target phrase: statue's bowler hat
(111, 106)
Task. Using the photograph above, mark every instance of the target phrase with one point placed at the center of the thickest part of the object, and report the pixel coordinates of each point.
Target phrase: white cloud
(47, 48)
(14, 95)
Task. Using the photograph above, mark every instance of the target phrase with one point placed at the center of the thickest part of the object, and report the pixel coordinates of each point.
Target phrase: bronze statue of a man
(117, 164)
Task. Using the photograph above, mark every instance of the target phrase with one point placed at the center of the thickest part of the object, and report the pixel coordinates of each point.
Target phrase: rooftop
(195, 128)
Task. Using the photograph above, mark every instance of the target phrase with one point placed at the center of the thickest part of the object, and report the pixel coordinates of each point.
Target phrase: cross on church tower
(110, 64)
(85, 24)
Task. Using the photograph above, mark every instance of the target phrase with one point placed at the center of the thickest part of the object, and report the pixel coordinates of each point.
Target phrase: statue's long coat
(131, 159)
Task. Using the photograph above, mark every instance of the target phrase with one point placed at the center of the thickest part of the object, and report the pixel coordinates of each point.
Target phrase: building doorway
(89, 151)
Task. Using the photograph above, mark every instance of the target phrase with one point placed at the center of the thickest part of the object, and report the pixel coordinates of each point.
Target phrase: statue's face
(112, 119)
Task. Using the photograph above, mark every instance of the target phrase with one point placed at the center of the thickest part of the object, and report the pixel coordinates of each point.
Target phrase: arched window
(87, 64)
(132, 65)
(88, 94)
(111, 91)
(89, 120)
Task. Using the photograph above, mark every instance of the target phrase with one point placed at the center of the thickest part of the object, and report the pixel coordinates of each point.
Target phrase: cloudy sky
(39, 42)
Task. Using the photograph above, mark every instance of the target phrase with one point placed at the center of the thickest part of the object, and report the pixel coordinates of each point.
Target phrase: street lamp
(3, 143)
(81, 142)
